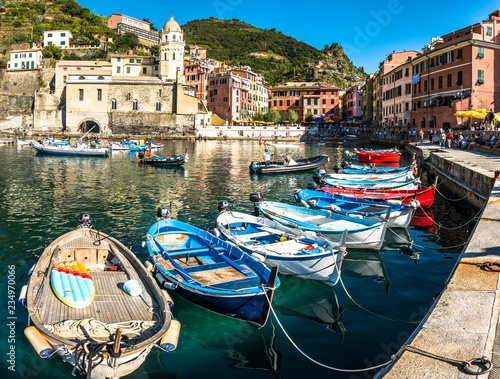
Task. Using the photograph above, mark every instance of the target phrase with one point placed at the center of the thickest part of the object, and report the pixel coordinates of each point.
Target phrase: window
(127, 97)
(480, 76)
(459, 54)
(80, 94)
(158, 106)
(49, 35)
(489, 31)
(15, 56)
(315, 101)
(297, 103)
(128, 70)
(49, 43)
(99, 94)
(64, 79)
(118, 69)
(432, 63)
(448, 80)
(15, 64)
(275, 103)
(63, 34)
(425, 85)
(63, 43)
(137, 61)
(332, 101)
(173, 56)
(407, 71)
(144, 70)
(432, 84)
(118, 59)
(131, 60)
(308, 101)
(135, 105)
(449, 57)
(480, 52)
(440, 82)
(281, 103)
(113, 104)
(30, 55)
(288, 103)
(459, 77)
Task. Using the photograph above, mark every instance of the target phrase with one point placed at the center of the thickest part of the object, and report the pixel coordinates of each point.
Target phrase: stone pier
(463, 322)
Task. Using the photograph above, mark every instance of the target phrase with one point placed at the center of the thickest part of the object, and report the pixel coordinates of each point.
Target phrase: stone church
(128, 94)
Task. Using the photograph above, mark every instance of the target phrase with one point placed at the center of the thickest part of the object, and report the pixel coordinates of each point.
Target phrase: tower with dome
(172, 52)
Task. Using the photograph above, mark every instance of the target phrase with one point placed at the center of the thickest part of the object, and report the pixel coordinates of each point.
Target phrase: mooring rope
(440, 226)
(427, 247)
(449, 199)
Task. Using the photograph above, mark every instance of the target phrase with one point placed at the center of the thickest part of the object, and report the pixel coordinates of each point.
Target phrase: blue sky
(368, 30)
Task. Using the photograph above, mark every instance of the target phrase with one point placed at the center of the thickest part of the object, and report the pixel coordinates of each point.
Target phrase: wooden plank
(220, 275)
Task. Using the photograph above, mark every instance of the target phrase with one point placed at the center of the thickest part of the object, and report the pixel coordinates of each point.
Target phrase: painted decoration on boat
(72, 284)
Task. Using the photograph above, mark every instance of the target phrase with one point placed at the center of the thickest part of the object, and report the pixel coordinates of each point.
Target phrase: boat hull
(281, 167)
(177, 160)
(69, 150)
(372, 157)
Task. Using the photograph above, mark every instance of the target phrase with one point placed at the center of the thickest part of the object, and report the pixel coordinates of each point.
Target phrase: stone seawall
(150, 123)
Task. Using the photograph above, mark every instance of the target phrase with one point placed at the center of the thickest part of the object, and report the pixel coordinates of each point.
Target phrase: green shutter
(131, 60)
(480, 52)
(15, 56)
(480, 76)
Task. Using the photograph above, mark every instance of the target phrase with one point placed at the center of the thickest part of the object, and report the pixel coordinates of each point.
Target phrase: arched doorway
(89, 125)
(422, 122)
(432, 121)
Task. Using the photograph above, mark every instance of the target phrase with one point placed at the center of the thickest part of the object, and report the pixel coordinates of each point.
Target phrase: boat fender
(216, 232)
(414, 204)
(304, 203)
(258, 257)
(397, 202)
(39, 343)
(169, 300)
(22, 296)
(31, 269)
(171, 337)
(149, 266)
(164, 283)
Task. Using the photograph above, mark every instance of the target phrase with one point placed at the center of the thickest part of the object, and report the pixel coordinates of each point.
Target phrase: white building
(134, 65)
(57, 37)
(172, 51)
(25, 59)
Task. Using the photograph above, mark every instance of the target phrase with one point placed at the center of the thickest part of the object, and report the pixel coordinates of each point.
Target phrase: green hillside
(279, 57)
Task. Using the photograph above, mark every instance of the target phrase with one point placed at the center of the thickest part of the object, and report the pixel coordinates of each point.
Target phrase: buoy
(39, 343)
(170, 302)
(171, 337)
(149, 266)
(22, 296)
(283, 239)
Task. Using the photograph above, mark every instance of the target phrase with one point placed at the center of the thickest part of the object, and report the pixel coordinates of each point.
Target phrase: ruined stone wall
(12, 105)
(48, 111)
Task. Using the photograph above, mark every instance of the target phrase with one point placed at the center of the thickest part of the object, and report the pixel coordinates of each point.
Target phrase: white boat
(5, 141)
(393, 177)
(295, 252)
(363, 234)
(80, 150)
(23, 142)
(119, 146)
(156, 145)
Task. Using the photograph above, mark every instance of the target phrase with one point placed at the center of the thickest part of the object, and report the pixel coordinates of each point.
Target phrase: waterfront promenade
(463, 322)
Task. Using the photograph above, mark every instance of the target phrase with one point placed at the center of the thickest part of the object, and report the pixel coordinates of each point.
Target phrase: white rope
(315, 361)
(426, 247)
(455, 228)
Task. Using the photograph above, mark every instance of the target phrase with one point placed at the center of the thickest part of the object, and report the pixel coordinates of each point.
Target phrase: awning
(217, 121)
(236, 79)
(446, 93)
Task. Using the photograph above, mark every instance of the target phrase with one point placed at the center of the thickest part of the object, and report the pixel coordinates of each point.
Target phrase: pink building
(196, 73)
(197, 51)
(352, 104)
(124, 24)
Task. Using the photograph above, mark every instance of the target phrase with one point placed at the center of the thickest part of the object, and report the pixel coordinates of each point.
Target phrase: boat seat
(310, 218)
(247, 237)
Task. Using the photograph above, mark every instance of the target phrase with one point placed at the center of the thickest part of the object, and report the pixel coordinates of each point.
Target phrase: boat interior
(110, 270)
(189, 257)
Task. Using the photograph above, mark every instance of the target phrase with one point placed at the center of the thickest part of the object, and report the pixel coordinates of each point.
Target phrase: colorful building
(368, 92)
(24, 59)
(59, 38)
(316, 99)
(134, 65)
(124, 24)
(353, 104)
(196, 73)
(456, 72)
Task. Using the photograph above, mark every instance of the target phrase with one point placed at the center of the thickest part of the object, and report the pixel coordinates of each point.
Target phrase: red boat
(425, 196)
(378, 157)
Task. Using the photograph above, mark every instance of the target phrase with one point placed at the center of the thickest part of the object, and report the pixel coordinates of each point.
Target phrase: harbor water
(358, 323)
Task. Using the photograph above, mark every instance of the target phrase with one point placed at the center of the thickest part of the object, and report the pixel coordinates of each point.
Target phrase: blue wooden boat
(210, 272)
(409, 184)
(362, 234)
(142, 147)
(397, 216)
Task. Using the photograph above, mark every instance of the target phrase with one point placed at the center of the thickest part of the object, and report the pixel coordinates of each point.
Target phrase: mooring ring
(483, 360)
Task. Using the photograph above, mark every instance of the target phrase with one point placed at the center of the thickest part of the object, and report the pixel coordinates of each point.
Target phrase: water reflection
(360, 264)
(398, 240)
(424, 220)
(311, 300)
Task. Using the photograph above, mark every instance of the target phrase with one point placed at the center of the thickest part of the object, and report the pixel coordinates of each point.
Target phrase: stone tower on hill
(172, 52)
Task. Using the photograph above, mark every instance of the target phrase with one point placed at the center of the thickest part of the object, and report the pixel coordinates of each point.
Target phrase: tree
(272, 116)
(128, 41)
(309, 116)
(258, 117)
(150, 23)
(53, 52)
(155, 50)
(291, 116)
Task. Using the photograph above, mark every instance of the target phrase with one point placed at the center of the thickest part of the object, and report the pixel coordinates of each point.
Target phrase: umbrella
(460, 114)
(482, 112)
(472, 114)
(497, 117)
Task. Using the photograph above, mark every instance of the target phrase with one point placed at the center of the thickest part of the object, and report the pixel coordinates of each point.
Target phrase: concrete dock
(463, 323)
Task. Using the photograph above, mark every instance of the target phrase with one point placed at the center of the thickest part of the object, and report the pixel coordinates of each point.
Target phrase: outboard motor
(140, 155)
(163, 213)
(254, 166)
(344, 165)
(223, 206)
(336, 168)
(256, 197)
(321, 171)
(312, 186)
(84, 220)
(318, 178)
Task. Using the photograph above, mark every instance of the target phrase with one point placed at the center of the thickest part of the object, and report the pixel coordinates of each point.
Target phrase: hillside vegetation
(279, 57)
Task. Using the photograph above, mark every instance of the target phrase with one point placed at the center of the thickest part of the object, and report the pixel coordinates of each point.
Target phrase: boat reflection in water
(360, 263)
(311, 300)
(245, 346)
(424, 220)
(398, 240)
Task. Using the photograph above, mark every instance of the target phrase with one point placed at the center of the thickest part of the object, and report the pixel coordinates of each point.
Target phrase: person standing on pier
(421, 135)
(442, 139)
(449, 138)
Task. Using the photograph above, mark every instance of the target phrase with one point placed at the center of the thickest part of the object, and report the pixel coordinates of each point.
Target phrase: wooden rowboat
(114, 333)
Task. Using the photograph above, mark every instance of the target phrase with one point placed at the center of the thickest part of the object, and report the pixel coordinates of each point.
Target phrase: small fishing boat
(378, 156)
(23, 142)
(399, 176)
(142, 147)
(210, 272)
(156, 145)
(425, 196)
(347, 168)
(397, 216)
(91, 301)
(411, 184)
(119, 146)
(6, 141)
(363, 234)
(295, 252)
(176, 160)
(80, 150)
(288, 164)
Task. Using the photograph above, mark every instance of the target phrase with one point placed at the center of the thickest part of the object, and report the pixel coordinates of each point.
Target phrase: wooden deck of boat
(111, 303)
